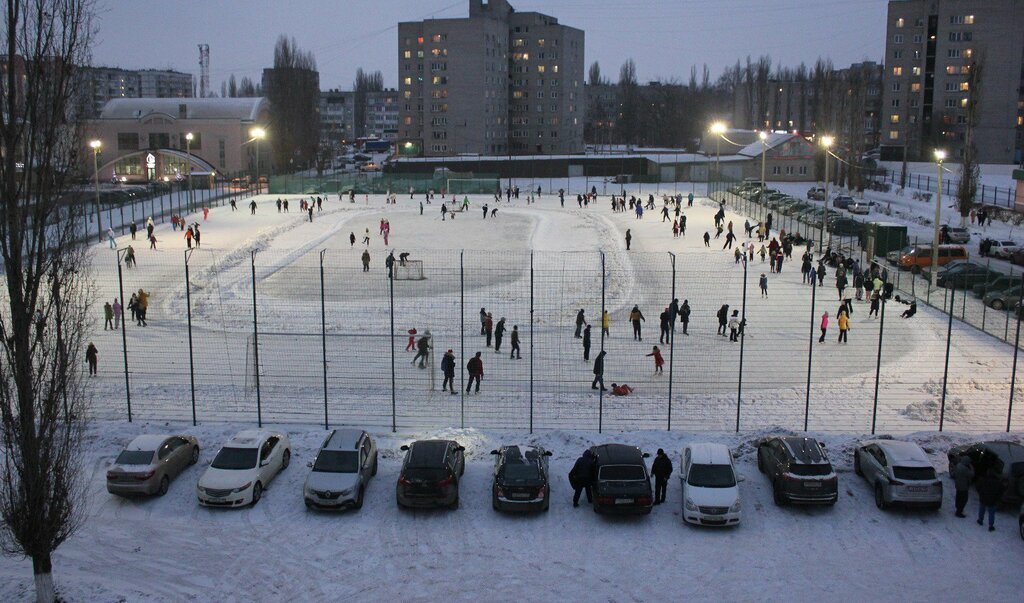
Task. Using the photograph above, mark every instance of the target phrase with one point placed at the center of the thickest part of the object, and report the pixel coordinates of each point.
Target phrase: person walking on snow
(629, 238)
(665, 327)
(118, 310)
(483, 321)
(515, 344)
(92, 357)
(366, 260)
(110, 238)
(351, 239)
(734, 326)
(844, 327)
(635, 316)
(489, 328)
(580, 321)
(252, 207)
(599, 371)
(586, 343)
(661, 469)
(707, 239)
(108, 316)
(581, 477)
(475, 367)
(659, 361)
(684, 315)
(990, 490)
(764, 285)
(448, 370)
(499, 333)
(824, 327)
(963, 476)
(422, 347)
(723, 319)
(411, 345)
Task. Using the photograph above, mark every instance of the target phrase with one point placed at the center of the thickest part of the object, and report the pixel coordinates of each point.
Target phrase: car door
(686, 472)
(180, 455)
(165, 459)
(265, 470)
(777, 458)
(366, 466)
(870, 465)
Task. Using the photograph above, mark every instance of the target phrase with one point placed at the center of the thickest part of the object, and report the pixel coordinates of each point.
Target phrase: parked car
(893, 257)
(341, 471)
(430, 474)
(842, 202)
(953, 234)
(243, 468)
(816, 194)
(149, 462)
(711, 494)
(1002, 249)
(860, 209)
(899, 472)
(962, 275)
(799, 470)
(1007, 458)
(1001, 300)
(622, 483)
(521, 479)
(1017, 257)
(998, 282)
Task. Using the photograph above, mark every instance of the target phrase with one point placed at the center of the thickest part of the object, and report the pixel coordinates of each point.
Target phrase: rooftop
(244, 109)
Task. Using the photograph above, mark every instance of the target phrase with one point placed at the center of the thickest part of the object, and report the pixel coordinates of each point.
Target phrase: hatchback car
(997, 282)
(149, 463)
(899, 472)
(861, 209)
(622, 483)
(711, 495)
(521, 479)
(341, 471)
(243, 468)
(799, 470)
(430, 474)
(1002, 249)
(954, 234)
(1000, 300)
(1007, 458)
(842, 202)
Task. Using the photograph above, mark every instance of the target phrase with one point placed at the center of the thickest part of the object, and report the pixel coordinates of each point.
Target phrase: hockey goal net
(409, 270)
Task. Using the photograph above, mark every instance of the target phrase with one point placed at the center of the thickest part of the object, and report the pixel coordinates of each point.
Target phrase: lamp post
(95, 146)
(188, 170)
(764, 154)
(718, 129)
(940, 156)
(826, 141)
(257, 134)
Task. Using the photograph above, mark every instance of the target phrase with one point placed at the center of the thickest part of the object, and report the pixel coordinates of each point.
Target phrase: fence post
(810, 350)
(462, 337)
(671, 342)
(984, 292)
(945, 371)
(600, 392)
(743, 330)
(878, 363)
(531, 341)
(323, 334)
(191, 357)
(1016, 347)
(391, 296)
(256, 344)
(124, 338)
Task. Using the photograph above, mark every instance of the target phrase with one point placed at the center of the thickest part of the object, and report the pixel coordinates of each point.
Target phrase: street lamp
(188, 152)
(258, 134)
(718, 129)
(940, 156)
(764, 153)
(826, 142)
(95, 145)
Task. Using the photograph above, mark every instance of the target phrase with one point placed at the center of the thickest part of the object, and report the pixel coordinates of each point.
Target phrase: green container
(879, 238)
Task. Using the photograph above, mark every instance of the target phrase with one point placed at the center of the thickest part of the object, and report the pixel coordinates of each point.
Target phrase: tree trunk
(43, 573)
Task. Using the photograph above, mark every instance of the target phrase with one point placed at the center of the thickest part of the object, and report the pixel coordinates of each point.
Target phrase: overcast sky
(664, 37)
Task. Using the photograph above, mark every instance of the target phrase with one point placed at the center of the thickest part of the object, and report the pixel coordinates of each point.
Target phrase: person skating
(142, 307)
(665, 327)
(110, 238)
(682, 226)
(499, 333)
(707, 239)
(489, 328)
(188, 237)
(661, 469)
(133, 228)
(599, 371)
(723, 319)
(411, 344)
(963, 476)
(659, 360)
(629, 239)
(92, 357)
(252, 207)
(366, 260)
(366, 237)
(586, 343)
(483, 321)
(351, 239)
(635, 316)
(824, 327)
(515, 344)
(108, 316)
(729, 238)
(580, 321)
(763, 282)
(990, 490)
(279, 205)
(118, 310)
(475, 368)
(734, 326)
(389, 263)
(844, 327)
(309, 210)
(448, 370)
(581, 477)
(684, 315)
(841, 284)
(606, 321)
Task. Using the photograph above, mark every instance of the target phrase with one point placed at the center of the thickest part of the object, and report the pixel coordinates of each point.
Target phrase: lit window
(915, 87)
(540, 68)
(917, 70)
(555, 68)
(407, 54)
(894, 135)
(407, 81)
(969, 19)
(964, 86)
(897, 71)
(968, 53)
(900, 22)
(419, 40)
(963, 102)
(894, 118)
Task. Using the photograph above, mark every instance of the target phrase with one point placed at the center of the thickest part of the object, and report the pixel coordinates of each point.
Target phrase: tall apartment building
(930, 47)
(101, 84)
(342, 120)
(498, 82)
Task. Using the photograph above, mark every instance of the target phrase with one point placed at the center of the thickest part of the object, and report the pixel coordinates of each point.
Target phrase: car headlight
(736, 506)
(242, 489)
(689, 505)
(347, 492)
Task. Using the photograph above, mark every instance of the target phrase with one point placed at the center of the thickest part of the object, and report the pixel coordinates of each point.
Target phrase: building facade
(101, 84)
(144, 140)
(347, 115)
(931, 46)
(497, 82)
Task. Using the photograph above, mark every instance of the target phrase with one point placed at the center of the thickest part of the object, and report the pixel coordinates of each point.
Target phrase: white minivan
(711, 494)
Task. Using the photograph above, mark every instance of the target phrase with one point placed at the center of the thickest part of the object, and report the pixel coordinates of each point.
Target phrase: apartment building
(498, 82)
(931, 47)
(101, 84)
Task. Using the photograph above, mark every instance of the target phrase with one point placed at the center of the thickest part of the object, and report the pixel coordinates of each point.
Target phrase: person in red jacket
(621, 390)
(475, 367)
(659, 361)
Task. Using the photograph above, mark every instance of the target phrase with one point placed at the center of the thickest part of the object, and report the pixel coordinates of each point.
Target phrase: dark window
(914, 473)
(519, 471)
(127, 141)
(235, 458)
(622, 472)
(165, 450)
(711, 476)
(159, 140)
(426, 473)
(134, 457)
(336, 461)
(810, 470)
(427, 455)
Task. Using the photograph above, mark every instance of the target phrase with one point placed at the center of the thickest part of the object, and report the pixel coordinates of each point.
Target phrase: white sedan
(711, 495)
(1003, 249)
(243, 468)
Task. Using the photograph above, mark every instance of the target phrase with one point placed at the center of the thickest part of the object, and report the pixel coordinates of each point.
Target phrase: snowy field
(169, 549)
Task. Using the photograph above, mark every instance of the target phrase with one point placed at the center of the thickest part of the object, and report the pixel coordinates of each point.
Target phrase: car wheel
(856, 464)
(937, 506)
(880, 497)
(374, 472)
(359, 499)
(778, 495)
(997, 304)
(285, 459)
(257, 493)
(165, 483)
(195, 456)
(455, 505)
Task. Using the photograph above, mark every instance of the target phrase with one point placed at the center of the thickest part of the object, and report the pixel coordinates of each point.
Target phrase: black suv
(799, 469)
(1007, 458)
(430, 474)
(521, 479)
(621, 482)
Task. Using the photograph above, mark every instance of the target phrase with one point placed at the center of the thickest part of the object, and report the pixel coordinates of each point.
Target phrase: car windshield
(520, 471)
(134, 457)
(914, 473)
(337, 461)
(622, 473)
(235, 458)
(811, 470)
(711, 476)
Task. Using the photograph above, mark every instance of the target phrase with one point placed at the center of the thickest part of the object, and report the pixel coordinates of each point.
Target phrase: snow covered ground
(169, 549)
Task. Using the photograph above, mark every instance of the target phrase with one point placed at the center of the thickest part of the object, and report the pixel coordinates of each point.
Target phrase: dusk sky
(664, 37)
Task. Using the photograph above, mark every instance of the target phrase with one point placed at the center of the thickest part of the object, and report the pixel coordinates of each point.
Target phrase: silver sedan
(148, 464)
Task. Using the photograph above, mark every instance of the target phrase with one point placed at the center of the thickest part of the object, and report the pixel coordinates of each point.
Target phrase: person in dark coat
(684, 315)
(666, 327)
(673, 312)
(963, 475)
(586, 343)
(661, 469)
(580, 321)
(515, 344)
(581, 477)
(92, 357)
(990, 490)
(499, 333)
(475, 367)
(422, 347)
(488, 328)
(483, 321)
(599, 371)
(448, 369)
(723, 319)
(629, 239)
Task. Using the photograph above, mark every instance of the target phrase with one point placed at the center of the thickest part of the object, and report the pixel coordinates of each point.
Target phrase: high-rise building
(340, 115)
(101, 84)
(498, 82)
(930, 48)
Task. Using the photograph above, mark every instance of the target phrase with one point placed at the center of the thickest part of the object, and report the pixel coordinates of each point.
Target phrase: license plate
(520, 495)
(623, 501)
(812, 484)
(917, 489)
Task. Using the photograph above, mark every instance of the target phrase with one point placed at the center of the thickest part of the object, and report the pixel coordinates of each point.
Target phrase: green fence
(382, 183)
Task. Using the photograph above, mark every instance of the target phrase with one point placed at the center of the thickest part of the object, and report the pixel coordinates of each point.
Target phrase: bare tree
(293, 89)
(594, 74)
(967, 190)
(42, 397)
(629, 115)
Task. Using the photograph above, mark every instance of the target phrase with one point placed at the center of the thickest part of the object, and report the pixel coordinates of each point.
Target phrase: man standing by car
(661, 469)
(581, 477)
(990, 489)
(962, 475)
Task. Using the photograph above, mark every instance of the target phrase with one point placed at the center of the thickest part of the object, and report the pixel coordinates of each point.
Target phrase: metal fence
(308, 336)
(986, 195)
